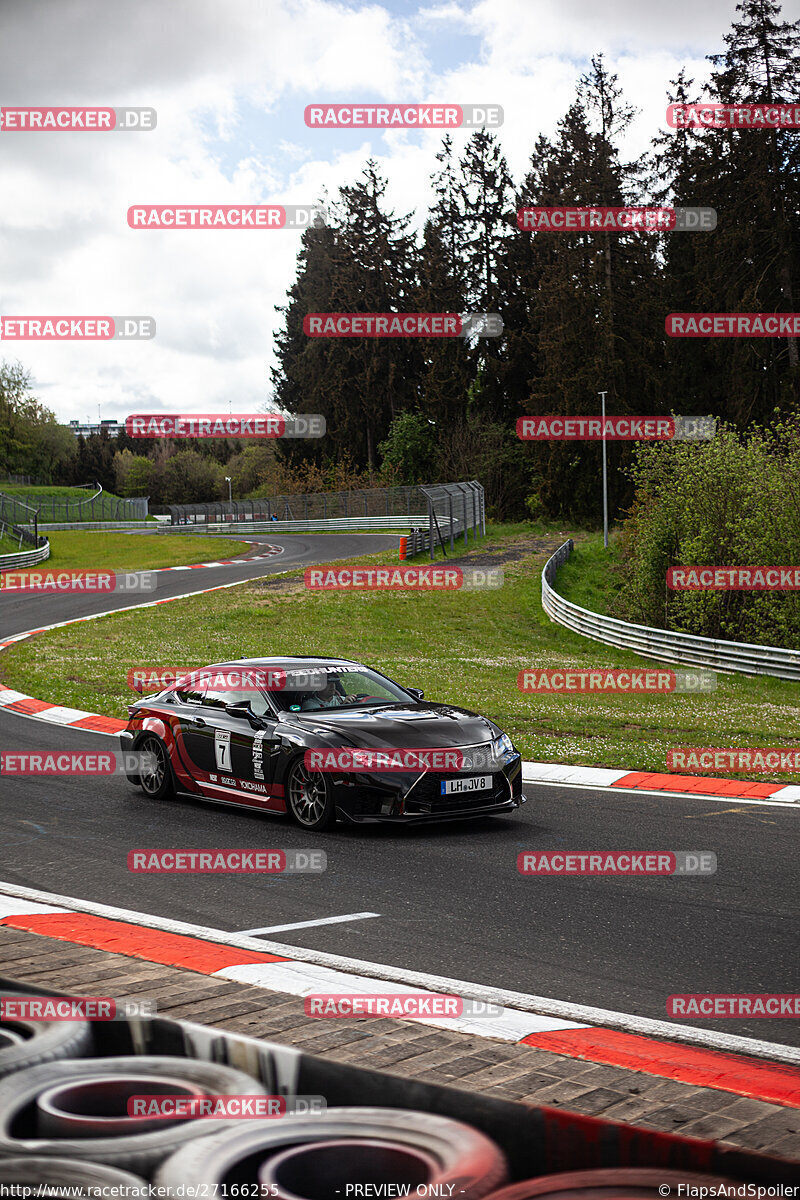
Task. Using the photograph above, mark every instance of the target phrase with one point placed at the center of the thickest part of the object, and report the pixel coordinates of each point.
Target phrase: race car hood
(417, 726)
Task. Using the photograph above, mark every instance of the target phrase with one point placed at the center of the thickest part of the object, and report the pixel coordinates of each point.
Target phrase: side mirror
(242, 709)
(416, 692)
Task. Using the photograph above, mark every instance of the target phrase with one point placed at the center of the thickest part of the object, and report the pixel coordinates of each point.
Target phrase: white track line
(520, 1001)
(307, 924)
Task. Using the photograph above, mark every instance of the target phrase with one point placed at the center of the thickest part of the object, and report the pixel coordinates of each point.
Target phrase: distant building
(84, 428)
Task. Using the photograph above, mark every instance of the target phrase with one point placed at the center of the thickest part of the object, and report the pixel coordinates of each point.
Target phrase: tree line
(581, 311)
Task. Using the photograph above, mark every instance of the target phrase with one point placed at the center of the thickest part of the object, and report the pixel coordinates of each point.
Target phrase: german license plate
(470, 783)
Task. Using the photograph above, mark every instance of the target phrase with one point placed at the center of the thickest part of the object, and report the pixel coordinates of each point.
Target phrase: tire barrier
(64, 1123)
(78, 1086)
(25, 1043)
(87, 1107)
(44, 1171)
(307, 1157)
(613, 1183)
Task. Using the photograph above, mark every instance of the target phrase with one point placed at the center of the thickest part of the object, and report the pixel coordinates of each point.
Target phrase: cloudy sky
(230, 80)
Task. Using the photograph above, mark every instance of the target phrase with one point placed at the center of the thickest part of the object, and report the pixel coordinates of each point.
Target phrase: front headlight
(502, 745)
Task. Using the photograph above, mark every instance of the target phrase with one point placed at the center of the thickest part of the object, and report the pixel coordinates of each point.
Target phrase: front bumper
(409, 799)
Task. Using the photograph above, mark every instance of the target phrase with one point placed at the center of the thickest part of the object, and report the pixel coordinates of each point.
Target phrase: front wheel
(309, 798)
(157, 782)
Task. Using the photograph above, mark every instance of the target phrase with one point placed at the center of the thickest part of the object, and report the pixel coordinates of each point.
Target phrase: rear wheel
(157, 782)
(308, 798)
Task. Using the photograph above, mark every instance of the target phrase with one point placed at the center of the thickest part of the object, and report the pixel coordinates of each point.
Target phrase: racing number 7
(222, 749)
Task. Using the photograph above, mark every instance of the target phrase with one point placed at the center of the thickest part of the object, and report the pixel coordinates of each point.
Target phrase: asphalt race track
(449, 899)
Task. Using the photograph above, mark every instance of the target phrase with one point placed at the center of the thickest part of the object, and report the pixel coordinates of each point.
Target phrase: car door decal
(222, 749)
(258, 754)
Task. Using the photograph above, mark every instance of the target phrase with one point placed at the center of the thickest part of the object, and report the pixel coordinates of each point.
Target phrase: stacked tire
(26, 1043)
(79, 1109)
(325, 1155)
(64, 1121)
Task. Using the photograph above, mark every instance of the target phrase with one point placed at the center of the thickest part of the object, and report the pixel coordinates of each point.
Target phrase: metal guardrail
(663, 644)
(343, 524)
(417, 541)
(87, 526)
(25, 558)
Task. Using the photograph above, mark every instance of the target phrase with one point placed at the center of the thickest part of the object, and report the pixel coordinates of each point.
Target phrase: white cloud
(229, 82)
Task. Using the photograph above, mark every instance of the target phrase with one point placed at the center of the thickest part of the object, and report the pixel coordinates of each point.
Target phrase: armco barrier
(663, 644)
(27, 558)
(342, 524)
(88, 526)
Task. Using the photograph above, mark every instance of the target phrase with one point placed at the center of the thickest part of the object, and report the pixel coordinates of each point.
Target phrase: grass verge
(465, 648)
(10, 545)
(74, 550)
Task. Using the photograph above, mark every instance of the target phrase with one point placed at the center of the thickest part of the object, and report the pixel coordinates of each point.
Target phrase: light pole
(605, 475)
(230, 493)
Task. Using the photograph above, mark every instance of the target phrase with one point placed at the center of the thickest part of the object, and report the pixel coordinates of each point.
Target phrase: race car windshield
(317, 688)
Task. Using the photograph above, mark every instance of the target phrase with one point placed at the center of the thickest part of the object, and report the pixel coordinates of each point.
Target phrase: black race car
(320, 738)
